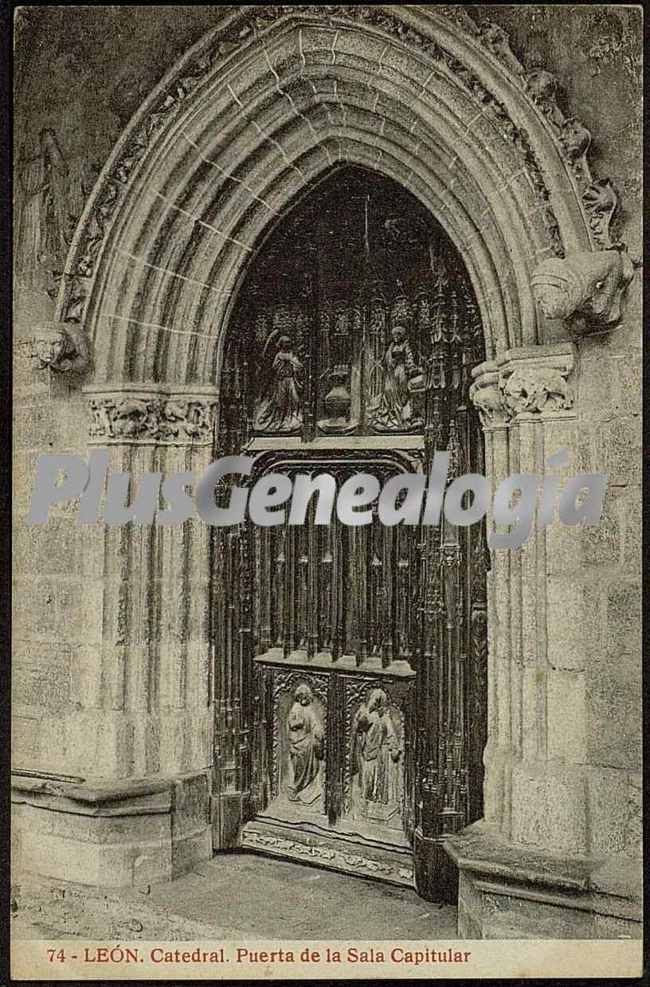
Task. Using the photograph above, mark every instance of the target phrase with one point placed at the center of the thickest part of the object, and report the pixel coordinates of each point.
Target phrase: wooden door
(350, 662)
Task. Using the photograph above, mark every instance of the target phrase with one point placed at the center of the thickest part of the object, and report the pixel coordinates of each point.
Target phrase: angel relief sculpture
(280, 407)
(393, 408)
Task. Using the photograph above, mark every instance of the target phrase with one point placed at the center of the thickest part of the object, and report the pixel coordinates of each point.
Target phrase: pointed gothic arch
(255, 112)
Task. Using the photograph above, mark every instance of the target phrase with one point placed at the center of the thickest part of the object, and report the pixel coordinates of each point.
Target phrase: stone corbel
(527, 382)
(151, 414)
(584, 288)
(61, 347)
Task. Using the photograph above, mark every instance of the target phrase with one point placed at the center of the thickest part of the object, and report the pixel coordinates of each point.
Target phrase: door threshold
(308, 843)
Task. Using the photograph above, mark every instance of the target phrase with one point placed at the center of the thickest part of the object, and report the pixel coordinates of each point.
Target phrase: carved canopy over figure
(393, 408)
(305, 732)
(376, 750)
(280, 409)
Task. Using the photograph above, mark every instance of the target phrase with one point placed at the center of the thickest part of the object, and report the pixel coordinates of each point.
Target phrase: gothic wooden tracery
(354, 659)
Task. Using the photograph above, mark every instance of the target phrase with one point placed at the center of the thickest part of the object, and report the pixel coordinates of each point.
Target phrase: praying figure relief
(306, 747)
(376, 753)
(393, 409)
(280, 408)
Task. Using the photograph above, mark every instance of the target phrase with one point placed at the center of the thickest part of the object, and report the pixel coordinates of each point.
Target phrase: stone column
(139, 744)
(525, 868)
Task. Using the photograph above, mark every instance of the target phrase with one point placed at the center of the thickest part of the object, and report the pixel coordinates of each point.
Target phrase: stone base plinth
(516, 892)
(112, 835)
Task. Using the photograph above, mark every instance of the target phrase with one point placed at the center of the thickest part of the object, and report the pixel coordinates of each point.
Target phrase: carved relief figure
(280, 409)
(393, 409)
(376, 752)
(44, 222)
(305, 732)
(133, 416)
(540, 389)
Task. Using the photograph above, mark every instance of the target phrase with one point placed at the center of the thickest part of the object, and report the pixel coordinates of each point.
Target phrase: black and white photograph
(327, 450)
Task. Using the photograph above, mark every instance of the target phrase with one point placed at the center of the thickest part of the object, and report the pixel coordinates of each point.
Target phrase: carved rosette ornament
(150, 414)
(531, 382)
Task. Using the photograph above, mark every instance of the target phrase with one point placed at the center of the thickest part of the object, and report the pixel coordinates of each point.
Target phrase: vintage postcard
(327, 459)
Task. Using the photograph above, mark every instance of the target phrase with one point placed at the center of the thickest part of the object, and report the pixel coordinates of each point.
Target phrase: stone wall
(81, 73)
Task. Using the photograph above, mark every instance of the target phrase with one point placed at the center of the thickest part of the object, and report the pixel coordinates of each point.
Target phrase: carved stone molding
(325, 853)
(151, 413)
(533, 381)
(591, 285)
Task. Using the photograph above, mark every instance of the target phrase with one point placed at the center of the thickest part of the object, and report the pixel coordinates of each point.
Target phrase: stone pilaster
(533, 846)
(153, 584)
(142, 681)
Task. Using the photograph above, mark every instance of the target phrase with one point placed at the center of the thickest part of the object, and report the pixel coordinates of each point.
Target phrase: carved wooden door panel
(350, 662)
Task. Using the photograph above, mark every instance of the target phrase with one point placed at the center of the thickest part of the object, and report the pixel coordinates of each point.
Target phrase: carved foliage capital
(530, 381)
(133, 413)
(486, 396)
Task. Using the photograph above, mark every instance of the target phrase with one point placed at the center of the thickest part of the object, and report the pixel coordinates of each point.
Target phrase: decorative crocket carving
(497, 41)
(587, 284)
(575, 139)
(602, 203)
(61, 346)
(543, 88)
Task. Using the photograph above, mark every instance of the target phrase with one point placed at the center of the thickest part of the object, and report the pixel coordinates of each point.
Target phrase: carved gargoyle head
(61, 346)
(587, 284)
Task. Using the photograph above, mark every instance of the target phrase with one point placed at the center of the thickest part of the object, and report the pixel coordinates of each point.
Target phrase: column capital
(524, 383)
(151, 413)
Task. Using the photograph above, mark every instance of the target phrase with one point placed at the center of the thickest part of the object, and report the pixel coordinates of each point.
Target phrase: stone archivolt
(254, 26)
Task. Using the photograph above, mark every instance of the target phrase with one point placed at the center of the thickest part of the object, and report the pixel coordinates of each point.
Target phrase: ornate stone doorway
(351, 662)
(245, 124)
